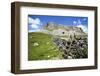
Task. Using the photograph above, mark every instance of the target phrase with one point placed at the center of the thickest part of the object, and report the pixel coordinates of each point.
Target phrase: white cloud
(34, 26)
(30, 20)
(84, 28)
(34, 23)
(74, 22)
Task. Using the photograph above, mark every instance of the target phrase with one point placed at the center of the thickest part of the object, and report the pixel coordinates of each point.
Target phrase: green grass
(45, 50)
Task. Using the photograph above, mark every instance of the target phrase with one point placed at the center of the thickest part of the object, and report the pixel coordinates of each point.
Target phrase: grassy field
(41, 47)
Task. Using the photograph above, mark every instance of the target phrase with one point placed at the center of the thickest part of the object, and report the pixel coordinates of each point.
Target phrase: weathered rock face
(50, 26)
(61, 30)
(73, 48)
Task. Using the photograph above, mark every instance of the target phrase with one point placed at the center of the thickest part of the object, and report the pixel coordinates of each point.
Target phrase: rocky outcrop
(61, 30)
(73, 48)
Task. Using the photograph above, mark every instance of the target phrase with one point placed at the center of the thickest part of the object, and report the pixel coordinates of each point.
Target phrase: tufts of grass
(41, 47)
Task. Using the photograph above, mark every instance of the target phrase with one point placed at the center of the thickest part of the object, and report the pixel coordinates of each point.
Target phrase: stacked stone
(74, 48)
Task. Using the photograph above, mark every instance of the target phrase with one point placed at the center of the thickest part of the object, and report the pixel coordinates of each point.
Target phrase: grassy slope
(45, 50)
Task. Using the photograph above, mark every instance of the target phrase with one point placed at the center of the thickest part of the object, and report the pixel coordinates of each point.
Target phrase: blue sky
(35, 22)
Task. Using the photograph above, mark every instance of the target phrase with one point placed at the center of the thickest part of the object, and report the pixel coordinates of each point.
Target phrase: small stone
(35, 44)
(69, 57)
(48, 56)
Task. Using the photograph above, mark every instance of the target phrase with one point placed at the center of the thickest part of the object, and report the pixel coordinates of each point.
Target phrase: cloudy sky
(36, 22)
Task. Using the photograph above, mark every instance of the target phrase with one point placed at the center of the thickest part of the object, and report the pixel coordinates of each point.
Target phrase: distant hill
(61, 30)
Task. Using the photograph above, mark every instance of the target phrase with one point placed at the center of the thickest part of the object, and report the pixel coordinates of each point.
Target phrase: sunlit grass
(41, 47)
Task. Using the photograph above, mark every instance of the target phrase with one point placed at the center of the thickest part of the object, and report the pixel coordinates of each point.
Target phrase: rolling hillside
(41, 47)
(57, 42)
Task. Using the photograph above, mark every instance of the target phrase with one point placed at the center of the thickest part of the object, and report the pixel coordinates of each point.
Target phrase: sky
(36, 22)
